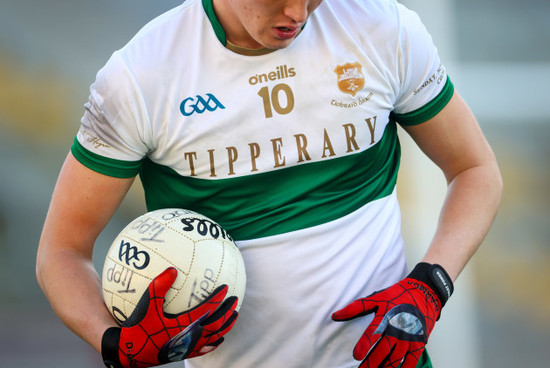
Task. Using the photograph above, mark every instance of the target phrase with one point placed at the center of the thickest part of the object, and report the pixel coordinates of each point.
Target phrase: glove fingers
(226, 309)
(411, 359)
(221, 327)
(368, 340)
(221, 321)
(398, 355)
(213, 300)
(206, 349)
(365, 344)
(211, 347)
(223, 317)
(206, 307)
(214, 331)
(357, 308)
(379, 352)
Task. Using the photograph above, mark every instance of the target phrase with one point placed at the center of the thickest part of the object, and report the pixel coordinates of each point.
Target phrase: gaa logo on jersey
(350, 78)
(200, 104)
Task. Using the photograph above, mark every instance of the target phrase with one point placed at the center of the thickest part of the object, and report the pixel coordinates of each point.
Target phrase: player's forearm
(72, 287)
(470, 206)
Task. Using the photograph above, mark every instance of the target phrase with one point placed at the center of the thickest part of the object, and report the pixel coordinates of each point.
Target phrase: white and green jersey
(295, 152)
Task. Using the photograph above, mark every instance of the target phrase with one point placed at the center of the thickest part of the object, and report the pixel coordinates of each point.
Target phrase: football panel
(202, 278)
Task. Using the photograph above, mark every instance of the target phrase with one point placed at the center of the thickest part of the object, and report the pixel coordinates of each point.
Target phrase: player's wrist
(109, 347)
(436, 278)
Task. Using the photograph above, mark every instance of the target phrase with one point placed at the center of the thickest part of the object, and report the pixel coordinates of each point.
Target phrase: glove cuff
(109, 347)
(436, 278)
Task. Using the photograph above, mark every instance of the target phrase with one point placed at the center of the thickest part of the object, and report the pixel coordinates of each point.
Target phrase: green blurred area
(50, 52)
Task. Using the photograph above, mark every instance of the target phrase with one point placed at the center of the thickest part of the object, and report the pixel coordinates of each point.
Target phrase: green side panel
(104, 165)
(424, 361)
(429, 110)
(284, 200)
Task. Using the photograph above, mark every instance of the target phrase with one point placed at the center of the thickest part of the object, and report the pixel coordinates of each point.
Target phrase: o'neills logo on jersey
(281, 72)
(350, 78)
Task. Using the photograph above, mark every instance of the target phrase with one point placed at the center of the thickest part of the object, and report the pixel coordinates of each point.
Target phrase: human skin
(256, 24)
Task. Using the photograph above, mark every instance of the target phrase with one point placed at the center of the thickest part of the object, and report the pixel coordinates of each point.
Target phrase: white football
(200, 249)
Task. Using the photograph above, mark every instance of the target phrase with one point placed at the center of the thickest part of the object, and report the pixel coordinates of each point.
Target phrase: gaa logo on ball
(200, 249)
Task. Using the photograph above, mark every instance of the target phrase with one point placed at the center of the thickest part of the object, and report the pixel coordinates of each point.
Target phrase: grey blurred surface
(50, 52)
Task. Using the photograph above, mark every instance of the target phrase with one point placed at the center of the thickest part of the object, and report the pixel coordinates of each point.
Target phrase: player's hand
(404, 316)
(150, 337)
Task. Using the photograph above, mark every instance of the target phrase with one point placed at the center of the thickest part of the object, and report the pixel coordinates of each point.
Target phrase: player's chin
(274, 42)
(278, 44)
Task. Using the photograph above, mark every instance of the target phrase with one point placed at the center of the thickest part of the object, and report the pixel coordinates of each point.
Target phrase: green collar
(209, 9)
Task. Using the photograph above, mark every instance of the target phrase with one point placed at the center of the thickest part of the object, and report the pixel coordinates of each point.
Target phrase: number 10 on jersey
(280, 98)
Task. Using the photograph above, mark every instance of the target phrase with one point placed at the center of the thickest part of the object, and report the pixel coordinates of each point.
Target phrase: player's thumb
(357, 308)
(152, 299)
(163, 282)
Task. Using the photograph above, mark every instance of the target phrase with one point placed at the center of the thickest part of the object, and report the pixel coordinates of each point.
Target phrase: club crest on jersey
(350, 78)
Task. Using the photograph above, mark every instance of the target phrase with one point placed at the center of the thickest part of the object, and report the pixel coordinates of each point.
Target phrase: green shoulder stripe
(105, 165)
(429, 110)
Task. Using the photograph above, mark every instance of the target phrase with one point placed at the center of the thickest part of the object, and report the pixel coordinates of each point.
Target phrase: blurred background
(498, 55)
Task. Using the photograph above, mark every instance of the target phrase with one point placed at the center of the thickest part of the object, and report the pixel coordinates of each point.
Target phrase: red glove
(150, 337)
(405, 314)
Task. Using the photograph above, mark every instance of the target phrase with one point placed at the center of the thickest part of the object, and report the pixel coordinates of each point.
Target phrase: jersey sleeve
(425, 88)
(112, 138)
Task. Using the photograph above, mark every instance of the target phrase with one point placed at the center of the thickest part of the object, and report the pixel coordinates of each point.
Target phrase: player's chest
(274, 111)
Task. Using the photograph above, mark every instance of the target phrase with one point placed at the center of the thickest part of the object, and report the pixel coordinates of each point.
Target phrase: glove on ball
(150, 337)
